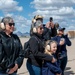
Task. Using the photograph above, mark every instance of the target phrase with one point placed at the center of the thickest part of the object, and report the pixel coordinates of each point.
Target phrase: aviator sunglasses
(10, 24)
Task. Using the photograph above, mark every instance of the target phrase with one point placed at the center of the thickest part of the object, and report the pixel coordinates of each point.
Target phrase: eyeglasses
(10, 24)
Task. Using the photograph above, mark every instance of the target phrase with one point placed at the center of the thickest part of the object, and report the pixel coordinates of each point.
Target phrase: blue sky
(22, 11)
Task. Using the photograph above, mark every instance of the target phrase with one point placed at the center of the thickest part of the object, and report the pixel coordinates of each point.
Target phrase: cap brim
(61, 29)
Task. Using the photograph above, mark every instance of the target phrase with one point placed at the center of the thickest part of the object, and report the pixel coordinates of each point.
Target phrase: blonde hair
(48, 44)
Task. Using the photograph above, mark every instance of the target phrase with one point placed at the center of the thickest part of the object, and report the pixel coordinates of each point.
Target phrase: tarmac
(70, 68)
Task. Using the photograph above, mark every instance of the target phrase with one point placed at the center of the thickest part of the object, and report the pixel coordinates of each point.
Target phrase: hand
(66, 33)
(58, 74)
(62, 41)
(12, 70)
(53, 60)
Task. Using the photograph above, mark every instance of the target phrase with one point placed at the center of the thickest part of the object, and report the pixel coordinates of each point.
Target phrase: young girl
(49, 68)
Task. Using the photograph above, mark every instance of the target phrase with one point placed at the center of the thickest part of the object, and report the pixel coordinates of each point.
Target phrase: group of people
(47, 45)
(49, 53)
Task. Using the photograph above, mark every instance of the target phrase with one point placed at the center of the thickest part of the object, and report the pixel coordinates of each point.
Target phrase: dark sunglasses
(41, 28)
(10, 24)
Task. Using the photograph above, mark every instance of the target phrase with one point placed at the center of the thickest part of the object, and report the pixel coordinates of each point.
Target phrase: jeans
(33, 70)
(63, 63)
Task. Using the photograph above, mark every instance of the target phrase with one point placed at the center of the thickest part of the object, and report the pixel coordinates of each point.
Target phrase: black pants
(63, 63)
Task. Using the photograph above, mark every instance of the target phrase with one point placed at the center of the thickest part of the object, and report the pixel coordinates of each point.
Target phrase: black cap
(61, 28)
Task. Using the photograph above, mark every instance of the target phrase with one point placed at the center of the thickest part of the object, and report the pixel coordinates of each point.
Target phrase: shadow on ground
(68, 71)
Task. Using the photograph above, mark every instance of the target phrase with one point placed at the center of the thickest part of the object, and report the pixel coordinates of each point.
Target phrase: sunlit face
(61, 32)
(53, 47)
(9, 27)
(40, 29)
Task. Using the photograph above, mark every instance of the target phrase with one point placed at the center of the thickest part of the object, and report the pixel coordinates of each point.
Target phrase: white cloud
(71, 28)
(22, 20)
(10, 8)
(10, 5)
(9, 14)
(63, 11)
(21, 23)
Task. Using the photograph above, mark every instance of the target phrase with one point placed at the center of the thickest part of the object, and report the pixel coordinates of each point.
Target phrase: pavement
(70, 68)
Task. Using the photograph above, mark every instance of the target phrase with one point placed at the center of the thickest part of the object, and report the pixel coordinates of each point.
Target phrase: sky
(23, 11)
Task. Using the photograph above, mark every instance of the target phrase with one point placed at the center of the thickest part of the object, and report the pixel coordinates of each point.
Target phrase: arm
(68, 42)
(1, 51)
(34, 46)
(20, 57)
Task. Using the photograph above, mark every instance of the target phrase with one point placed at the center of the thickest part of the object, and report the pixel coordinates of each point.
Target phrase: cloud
(22, 23)
(63, 11)
(9, 6)
(71, 28)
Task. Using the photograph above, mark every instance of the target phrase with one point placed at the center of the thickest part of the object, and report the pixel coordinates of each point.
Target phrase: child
(49, 68)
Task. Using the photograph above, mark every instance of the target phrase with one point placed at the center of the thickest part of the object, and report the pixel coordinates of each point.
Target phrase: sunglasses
(10, 24)
(41, 28)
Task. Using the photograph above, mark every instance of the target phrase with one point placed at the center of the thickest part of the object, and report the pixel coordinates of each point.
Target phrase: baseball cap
(61, 28)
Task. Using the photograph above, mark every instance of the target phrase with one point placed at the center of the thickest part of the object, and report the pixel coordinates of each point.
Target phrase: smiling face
(9, 25)
(53, 46)
(61, 32)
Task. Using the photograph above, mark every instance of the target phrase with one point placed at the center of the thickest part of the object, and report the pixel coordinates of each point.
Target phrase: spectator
(11, 57)
(52, 26)
(47, 32)
(49, 68)
(61, 53)
(34, 62)
(36, 18)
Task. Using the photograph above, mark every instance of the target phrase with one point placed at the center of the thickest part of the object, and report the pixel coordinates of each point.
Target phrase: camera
(51, 19)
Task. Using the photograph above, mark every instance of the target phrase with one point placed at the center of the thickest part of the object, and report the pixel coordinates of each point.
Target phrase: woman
(61, 53)
(11, 57)
(34, 62)
(49, 68)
